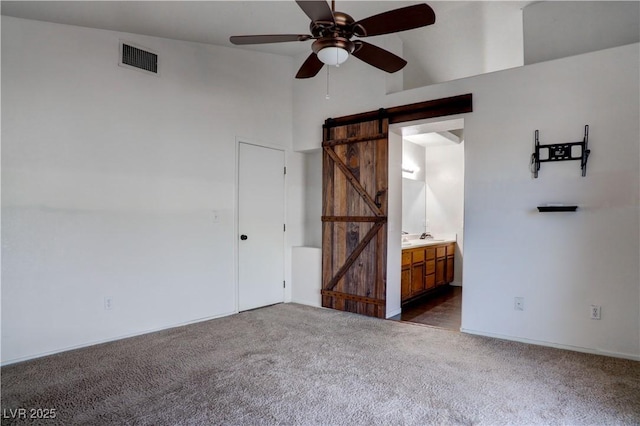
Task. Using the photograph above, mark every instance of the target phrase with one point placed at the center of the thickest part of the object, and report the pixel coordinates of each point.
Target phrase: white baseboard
(112, 339)
(314, 303)
(553, 345)
(394, 313)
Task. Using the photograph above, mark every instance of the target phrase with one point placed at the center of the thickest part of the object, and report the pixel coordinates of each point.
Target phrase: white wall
(352, 86)
(394, 223)
(413, 188)
(295, 214)
(414, 203)
(312, 203)
(306, 275)
(556, 29)
(444, 175)
(110, 178)
(560, 263)
(413, 157)
(468, 38)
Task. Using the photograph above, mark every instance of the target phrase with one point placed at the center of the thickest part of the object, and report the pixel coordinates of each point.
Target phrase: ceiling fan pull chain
(327, 95)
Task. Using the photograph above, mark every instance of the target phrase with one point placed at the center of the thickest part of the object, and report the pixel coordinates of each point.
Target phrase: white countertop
(426, 242)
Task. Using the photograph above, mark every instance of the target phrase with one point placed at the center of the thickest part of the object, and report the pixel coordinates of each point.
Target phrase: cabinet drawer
(418, 255)
(441, 251)
(431, 253)
(451, 249)
(431, 267)
(406, 257)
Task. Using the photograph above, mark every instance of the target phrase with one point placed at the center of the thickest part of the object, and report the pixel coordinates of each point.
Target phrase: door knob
(243, 237)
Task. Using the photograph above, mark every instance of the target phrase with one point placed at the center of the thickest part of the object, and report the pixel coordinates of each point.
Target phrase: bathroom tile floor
(441, 310)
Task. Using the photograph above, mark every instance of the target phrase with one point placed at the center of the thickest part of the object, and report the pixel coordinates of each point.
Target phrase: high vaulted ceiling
(210, 21)
(214, 21)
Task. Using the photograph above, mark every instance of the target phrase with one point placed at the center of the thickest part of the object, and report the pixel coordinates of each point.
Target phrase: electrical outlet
(108, 304)
(518, 303)
(595, 312)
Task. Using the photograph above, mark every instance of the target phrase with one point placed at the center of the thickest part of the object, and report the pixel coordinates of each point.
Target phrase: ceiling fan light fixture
(333, 50)
(333, 55)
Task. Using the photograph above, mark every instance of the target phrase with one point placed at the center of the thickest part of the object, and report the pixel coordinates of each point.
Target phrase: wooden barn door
(354, 209)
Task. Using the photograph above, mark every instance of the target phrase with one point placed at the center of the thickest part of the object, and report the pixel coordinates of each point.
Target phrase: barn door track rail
(561, 152)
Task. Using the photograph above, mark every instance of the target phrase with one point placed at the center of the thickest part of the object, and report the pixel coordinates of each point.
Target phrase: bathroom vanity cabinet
(426, 268)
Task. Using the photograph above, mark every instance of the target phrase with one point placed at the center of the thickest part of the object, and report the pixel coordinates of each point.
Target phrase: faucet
(426, 235)
(405, 233)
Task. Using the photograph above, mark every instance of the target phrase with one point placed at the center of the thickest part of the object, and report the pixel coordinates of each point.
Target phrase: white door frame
(394, 246)
(236, 220)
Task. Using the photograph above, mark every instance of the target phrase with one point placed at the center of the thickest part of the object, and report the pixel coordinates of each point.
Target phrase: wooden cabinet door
(449, 272)
(405, 283)
(441, 270)
(354, 216)
(430, 281)
(451, 251)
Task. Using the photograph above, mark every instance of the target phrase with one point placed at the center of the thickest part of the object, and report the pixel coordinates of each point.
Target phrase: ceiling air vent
(138, 58)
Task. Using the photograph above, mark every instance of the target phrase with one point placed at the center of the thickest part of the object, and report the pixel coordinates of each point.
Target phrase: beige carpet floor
(292, 364)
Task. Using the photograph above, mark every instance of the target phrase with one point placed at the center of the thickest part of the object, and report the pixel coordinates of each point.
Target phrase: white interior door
(260, 226)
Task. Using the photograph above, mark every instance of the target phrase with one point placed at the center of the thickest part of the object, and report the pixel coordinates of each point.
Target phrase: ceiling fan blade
(379, 58)
(393, 21)
(310, 68)
(316, 10)
(268, 38)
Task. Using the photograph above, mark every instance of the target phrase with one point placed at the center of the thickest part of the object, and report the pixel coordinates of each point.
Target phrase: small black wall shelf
(561, 152)
(544, 209)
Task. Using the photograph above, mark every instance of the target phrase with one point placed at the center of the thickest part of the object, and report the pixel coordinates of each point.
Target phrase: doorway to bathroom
(432, 223)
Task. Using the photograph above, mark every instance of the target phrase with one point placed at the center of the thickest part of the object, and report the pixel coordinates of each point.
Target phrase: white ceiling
(434, 139)
(214, 21)
(434, 133)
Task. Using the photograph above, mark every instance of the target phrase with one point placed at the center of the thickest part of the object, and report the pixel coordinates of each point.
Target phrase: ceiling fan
(332, 32)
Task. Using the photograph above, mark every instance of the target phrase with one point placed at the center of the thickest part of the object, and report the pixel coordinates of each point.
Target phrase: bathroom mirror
(414, 206)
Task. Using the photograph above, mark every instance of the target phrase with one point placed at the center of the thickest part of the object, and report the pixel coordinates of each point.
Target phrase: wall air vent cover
(139, 58)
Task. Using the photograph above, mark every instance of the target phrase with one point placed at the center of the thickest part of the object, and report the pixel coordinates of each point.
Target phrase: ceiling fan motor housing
(340, 42)
(333, 34)
(341, 26)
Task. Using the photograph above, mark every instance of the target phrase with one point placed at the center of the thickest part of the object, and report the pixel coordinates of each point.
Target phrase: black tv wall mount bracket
(561, 152)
